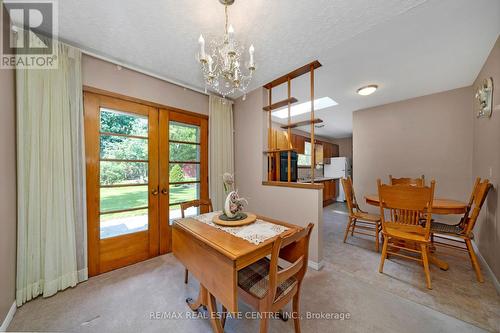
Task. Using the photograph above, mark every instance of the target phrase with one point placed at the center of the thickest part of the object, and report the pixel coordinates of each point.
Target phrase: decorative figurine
(233, 205)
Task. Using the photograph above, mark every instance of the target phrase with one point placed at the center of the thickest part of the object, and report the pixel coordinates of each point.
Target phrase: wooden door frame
(163, 242)
(97, 246)
(167, 115)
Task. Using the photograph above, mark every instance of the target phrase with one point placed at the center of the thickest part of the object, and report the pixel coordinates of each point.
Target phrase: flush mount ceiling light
(367, 90)
(295, 110)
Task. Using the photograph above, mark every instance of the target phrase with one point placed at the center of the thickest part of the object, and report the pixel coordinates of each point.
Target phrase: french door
(142, 162)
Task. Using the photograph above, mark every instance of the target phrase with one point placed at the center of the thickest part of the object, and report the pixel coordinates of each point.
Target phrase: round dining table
(439, 206)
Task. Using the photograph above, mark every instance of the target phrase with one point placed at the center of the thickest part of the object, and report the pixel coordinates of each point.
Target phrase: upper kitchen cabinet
(329, 150)
(298, 143)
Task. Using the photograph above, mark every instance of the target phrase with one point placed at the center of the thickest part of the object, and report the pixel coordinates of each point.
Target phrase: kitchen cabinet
(330, 150)
(298, 143)
(329, 192)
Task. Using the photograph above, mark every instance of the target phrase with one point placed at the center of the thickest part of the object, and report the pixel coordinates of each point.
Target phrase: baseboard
(315, 265)
(485, 264)
(8, 318)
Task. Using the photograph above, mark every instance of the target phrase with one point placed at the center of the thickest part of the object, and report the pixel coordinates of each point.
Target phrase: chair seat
(443, 228)
(367, 217)
(405, 235)
(255, 280)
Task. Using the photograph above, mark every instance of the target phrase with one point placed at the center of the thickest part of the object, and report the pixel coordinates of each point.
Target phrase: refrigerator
(339, 167)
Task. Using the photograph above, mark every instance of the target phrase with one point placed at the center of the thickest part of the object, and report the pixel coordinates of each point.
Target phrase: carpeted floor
(139, 298)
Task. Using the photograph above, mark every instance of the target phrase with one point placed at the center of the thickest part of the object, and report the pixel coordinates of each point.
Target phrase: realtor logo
(29, 41)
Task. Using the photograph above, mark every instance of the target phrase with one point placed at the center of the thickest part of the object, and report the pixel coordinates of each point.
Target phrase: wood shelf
(280, 104)
(279, 150)
(302, 123)
(292, 75)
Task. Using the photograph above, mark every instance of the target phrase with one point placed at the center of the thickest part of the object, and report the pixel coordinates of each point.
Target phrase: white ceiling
(408, 47)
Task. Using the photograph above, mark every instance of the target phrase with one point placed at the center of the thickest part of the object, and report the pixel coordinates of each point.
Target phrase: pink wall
(486, 164)
(105, 75)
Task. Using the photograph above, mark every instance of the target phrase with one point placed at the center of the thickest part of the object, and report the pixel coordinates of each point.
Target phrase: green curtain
(51, 244)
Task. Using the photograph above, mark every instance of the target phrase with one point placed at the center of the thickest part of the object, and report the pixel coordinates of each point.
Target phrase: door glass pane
(124, 192)
(112, 173)
(123, 148)
(184, 132)
(113, 121)
(120, 198)
(184, 192)
(184, 152)
(116, 224)
(182, 172)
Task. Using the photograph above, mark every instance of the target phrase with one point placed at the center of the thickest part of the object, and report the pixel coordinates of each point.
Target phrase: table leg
(438, 262)
(208, 300)
(202, 299)
(214, 315)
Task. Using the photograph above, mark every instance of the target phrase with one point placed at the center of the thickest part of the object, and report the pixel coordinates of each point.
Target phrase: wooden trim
(124, 135)
(184, 162)
(184, 142)
(140, 101)
(92, 142)
(124, 185)
(153, 180)
(186, 182)
(280, 104)
(292, 75)
(302, 123)
(278, 151)
(122, 210)
(118, 160)
(314, 186)
(164, 222)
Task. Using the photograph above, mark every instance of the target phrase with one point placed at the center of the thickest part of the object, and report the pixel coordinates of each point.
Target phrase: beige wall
(297, 206)
(486, 157)
(345, 146)
(430, 135)
(7, 190)
(105, 75)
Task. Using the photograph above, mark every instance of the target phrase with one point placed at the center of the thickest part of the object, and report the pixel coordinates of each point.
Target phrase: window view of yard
(124, 171)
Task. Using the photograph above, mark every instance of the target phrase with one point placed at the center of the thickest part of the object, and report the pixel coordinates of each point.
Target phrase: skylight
(298, 109)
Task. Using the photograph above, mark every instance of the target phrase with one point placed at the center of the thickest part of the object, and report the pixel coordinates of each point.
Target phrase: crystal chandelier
(222, 65)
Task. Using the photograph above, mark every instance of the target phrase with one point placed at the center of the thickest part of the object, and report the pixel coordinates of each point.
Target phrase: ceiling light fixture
(367, 90)
(298, 109)
(222, 67)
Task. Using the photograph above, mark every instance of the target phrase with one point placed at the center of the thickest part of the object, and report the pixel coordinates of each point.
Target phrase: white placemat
(255, 233)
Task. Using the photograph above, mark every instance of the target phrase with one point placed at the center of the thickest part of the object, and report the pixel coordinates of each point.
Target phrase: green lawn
(117, 198)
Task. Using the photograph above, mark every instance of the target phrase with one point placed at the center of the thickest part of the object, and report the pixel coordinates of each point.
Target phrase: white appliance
(339, 167)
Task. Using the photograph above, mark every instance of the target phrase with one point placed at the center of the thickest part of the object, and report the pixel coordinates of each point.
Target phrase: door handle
(154, 192)
(164, 191)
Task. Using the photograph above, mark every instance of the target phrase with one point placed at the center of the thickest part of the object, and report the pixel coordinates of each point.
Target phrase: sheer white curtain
(51, 241)
(220, 148)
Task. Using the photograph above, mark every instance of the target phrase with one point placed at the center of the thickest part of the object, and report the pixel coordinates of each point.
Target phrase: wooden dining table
(214, 257)
(440, 206)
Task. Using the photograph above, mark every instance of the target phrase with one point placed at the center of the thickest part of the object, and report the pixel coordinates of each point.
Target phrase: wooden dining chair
(407, 181)
(404, 229)
(462, 231)
(205, 207)
(369, 223)
(267, 287)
